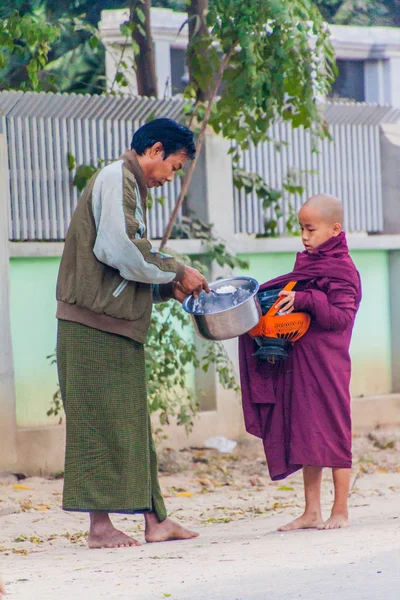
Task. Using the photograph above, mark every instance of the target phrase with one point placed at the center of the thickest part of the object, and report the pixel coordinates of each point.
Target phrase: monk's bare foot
(165, 531)
(306, 521)
(336, 521)
(103, 534)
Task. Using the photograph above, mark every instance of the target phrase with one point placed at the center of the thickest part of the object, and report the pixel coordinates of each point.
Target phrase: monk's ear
(337, 229)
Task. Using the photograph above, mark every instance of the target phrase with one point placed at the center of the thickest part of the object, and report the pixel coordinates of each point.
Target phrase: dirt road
(239, 555)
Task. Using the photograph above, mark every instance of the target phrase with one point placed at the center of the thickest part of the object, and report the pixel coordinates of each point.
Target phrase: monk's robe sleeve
(334, 309)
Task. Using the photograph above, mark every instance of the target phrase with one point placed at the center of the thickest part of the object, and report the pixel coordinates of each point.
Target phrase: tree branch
(188, 177)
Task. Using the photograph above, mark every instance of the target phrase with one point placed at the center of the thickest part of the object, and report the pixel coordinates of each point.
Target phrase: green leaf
(82, 176)
(94, 42)
(71, 161)
(140, 15)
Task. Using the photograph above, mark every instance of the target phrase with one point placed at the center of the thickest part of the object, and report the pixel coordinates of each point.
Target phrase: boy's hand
(286, 304)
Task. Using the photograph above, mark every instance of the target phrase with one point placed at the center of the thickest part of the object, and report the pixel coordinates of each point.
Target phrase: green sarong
(110, 461)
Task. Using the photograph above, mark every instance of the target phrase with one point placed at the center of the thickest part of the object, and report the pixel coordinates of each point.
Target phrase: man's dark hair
(173, 137)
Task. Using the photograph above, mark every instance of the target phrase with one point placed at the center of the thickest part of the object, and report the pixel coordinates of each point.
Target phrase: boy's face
(158, 171)
(314, 229)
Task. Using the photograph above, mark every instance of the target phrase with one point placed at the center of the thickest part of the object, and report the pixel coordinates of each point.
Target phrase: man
(108, 279)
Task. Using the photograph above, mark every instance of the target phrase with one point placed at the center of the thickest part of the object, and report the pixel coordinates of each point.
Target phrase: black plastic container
(270, 349)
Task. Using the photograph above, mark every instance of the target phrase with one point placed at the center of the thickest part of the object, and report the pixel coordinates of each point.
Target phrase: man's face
(158, 171)
(314, 229)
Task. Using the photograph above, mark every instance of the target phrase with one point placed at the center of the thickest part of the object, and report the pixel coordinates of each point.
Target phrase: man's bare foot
(2, 587)
(103, 534)
(165, 531)
(306, 521)
(111, 538)
(336, 521)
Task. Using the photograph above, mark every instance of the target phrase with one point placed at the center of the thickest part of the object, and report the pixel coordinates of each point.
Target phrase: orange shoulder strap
(288, 288)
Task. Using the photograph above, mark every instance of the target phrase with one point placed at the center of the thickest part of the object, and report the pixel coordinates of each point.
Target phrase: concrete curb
(376, 411)
(41, 449)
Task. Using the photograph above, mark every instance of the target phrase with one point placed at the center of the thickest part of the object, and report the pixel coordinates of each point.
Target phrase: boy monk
(300, 407)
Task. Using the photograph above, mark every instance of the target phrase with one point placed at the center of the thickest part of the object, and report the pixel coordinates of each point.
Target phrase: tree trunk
(145, 66)
(197, 10)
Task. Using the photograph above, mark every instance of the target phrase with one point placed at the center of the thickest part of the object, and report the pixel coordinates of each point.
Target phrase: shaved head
(329, 207)
(320, 219)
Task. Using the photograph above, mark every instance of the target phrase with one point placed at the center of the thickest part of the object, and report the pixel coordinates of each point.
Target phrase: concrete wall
(394, 296)
(7, 398)
(390, 168)
(33, 327)
(32, 271)
(371, 341)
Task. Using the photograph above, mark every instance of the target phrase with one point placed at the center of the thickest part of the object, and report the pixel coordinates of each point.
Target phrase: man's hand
(286, 304)
(193, 283)
(178, 293)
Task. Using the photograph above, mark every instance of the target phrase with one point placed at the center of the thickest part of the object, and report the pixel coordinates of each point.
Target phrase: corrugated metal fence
(43, 128)
(348, 167)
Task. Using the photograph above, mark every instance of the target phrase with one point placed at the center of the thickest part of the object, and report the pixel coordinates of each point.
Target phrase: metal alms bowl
(227, 323)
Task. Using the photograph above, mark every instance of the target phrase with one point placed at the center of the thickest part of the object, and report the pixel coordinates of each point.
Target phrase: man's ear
(156, 150)
(337, 229)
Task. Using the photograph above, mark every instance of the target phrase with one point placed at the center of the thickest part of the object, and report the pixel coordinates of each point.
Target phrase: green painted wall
(370, 347)
(33, 330)
(33, 327)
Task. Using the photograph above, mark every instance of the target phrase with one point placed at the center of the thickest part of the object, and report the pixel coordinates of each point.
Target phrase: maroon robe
(300, 407)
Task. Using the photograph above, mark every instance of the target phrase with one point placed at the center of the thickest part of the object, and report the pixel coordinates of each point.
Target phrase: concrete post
(394, 295)
(377, 88)
(390, 167)
(390, 162)
(162, 52)
(211, 200)
(8, 428)
(211, 193)
(394, 79)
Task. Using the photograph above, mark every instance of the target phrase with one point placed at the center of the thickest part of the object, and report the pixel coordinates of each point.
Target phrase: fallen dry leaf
(21, 487)
(20, 538)
(205, 482)
(256, 481)
(184, 495)
(20, 551)
(219, 520)
(79, 536)
(26, 505)
(41, 507)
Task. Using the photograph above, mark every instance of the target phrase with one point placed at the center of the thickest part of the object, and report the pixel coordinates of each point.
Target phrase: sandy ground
(239, 554)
